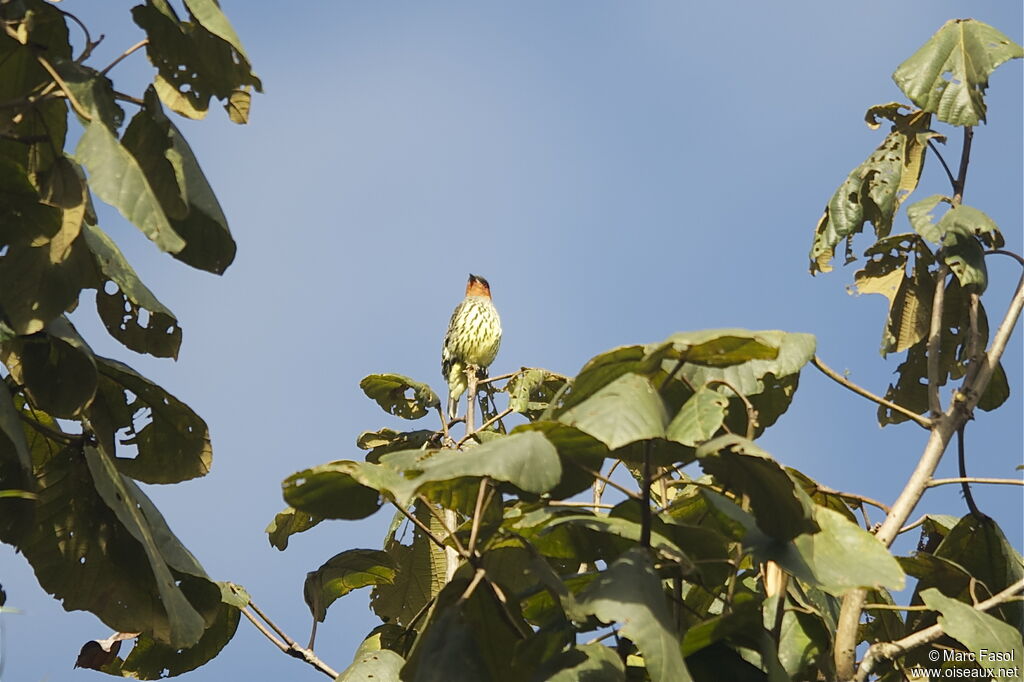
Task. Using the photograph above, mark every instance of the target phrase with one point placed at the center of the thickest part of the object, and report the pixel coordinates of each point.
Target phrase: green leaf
(57, 368)
(588, 662)
(391, 393)
(387, 440)
(873, 191)
(701, 417)
(13, 429)
(630, 594)
(782, 509)
(196, 60)
(532, 390)
(331, 491)
(344, 572)
(163, 552)
(41, 278)
(209, 14)
(625, 411)
(121, 311)
(117, 178)
(287, 523)
(526, 460)
(992, 641)
(910, 298)
(949, 74)
(23, 216)
(153, 660)
(605, 368)
(729, 350)
(966, 260)
(842, 556)
(421, 571)
(577, 451)
(173, 446)
(373, 664)
(997, 392)
(920, 215)
(623, 528)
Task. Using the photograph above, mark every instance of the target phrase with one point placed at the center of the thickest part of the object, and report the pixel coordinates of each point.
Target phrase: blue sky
(618, 171)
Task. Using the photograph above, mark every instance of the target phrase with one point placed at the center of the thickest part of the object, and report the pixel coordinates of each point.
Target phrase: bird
(472, 340)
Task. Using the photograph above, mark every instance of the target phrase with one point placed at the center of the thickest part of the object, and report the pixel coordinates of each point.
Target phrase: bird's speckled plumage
(473, 338)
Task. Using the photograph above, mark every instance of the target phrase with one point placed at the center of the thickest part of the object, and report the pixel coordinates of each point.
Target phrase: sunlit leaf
(625, 411)
(992, 641)
(391, 391)
(701, 417)
(344, 572)
(949, 74)
(287, 523)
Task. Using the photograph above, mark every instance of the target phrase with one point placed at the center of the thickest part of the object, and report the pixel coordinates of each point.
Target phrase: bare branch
(882, 651)
(974, 479)
(863, 392)
(935, 340)
(142, 43)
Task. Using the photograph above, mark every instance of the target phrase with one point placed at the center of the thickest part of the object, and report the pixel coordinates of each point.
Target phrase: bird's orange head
(478, 286)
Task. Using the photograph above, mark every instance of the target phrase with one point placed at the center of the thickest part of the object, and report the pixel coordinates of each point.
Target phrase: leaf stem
(142, 43)
(974, 479)
(965, 159)
(863, 392)
(945, 166)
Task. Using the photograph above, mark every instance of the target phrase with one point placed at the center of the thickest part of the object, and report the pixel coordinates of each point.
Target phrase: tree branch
(943, 428)
(288, 645)
(974, 479)
(882, 651)
(142, 43)
(864, 393)
(965, 159)
(949, 173)
(935, 340)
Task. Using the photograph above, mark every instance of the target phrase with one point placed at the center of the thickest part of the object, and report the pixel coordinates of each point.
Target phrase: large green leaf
(874, 190)
(625, 411)
(13, 430)
(344, 572)
(910, 298)
(117, 178)
(630, 594)
(373, 664)
(154, 660)
(391, 391)
(174, 446)
(587, 662)
(57, 368)
(122, 309)
(992, 641)
(623, 528)
(196, 60)
(420, 575)
(781, 507)
(700, 419)
(526, 460)
(23, 216)
(577, 451)
(41, 279)
(949, 74)
(332, 491)
(287, 523)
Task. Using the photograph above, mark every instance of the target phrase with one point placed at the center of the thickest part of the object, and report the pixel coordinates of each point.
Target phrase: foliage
(696, 556)
(80, 518)
(680, 567)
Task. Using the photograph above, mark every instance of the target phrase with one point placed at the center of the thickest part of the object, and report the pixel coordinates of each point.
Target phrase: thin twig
(915, 524)
(500, 377)
(483, 427)
(79, 109)
(444, 426)
(863, 392)
(128, 98)
(751, 412)
(142, 43)
(965, 158)
(478, 576)
(974, 479)
(1004, 252)
(478, 513)
(882, 651)
(645, 499)
(422, 526)
(598, 475)
(59, 436)
(854, 496)
(965, 485)
(949, 173)
(288, 646)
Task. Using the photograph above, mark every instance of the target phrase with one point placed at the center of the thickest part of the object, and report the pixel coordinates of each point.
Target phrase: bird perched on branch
(474, 334)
